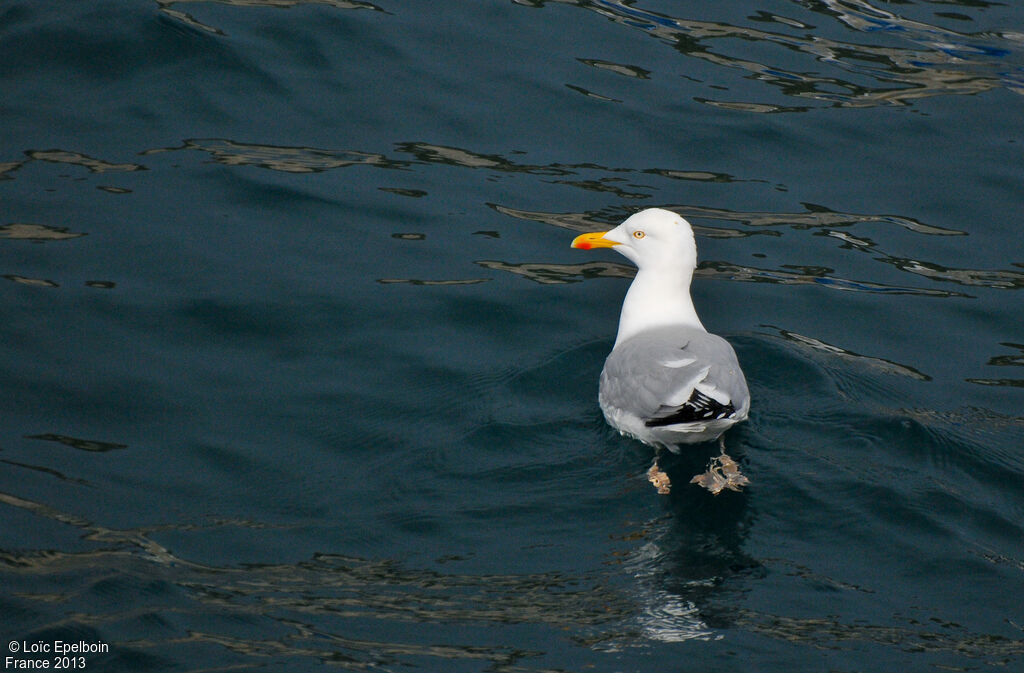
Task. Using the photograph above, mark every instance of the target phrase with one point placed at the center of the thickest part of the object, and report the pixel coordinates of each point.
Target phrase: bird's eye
(638, 234)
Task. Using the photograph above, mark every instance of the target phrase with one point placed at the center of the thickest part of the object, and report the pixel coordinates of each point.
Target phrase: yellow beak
(594, 240)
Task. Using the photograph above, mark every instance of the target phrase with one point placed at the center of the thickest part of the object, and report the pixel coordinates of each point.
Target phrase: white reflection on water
(168, 8)
(664, 616)
(920, 59)
(923, 60)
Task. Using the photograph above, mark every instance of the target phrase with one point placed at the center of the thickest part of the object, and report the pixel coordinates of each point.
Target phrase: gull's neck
(658, 297)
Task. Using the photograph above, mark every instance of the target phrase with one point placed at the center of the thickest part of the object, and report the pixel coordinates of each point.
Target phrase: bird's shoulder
(675, 347)
(663, 367)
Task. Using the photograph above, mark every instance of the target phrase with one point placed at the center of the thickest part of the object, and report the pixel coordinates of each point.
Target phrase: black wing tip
(698, 408)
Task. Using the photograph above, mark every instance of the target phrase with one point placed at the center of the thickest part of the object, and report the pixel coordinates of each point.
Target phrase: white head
(654, 239)
(661, 244)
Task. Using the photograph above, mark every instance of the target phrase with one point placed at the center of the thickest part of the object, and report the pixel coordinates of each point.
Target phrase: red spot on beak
(591, 241)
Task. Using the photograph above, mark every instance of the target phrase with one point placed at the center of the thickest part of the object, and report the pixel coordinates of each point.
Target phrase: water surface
(300, 370)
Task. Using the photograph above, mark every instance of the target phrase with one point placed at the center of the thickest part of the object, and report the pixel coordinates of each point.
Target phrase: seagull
(668, 382)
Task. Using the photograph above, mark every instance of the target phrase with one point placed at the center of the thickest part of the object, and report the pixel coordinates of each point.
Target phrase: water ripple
(286, 159)
(820, 219)
(278, 603)
(816, 217)
(878, 364)
(909, 636)
(547, 273)
(923, 60)
(37, 232)
(78, 159)
(168, 8)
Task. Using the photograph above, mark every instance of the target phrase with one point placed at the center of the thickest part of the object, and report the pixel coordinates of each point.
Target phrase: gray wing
(675, 375)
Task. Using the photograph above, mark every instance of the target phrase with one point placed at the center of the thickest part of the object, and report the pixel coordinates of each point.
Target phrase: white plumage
(667, 380)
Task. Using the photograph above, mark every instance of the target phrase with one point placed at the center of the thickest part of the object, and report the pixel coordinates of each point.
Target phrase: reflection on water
(685, 565)
(996, 278)
(36, 282)
(311, 160)
(45, 470)
(819, 219)
(676, 566)
(424, 281)
(77, 159)
(37, 232)
(923, 61)
(913, 636)
(9, 167)
(1016, 360)
(168, 8)
(41, 233)
(45, 282)
(278, 604)
(1016, 383)
(664, 615)
(340, 4)
(877, 364)
(822, 220)
(412, 193)
(816, 217)
(683, 568)
(287, 159)
(563, 273)
(77, 443)
(619, 68)
(571, 273)
(816, 275)
(849, 463)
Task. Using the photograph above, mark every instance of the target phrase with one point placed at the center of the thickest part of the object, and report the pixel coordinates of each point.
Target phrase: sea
(298, 370)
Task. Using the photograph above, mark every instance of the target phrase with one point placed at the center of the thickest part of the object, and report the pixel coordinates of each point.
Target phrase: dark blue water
(298, 369)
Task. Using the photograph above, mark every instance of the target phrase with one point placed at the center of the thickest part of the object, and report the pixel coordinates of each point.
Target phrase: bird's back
(673, 385)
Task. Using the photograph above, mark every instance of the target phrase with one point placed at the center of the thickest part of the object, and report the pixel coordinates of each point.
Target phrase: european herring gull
(668, 381)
